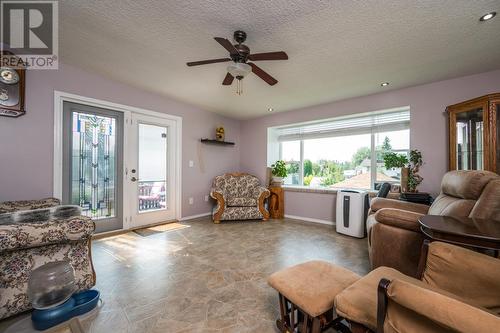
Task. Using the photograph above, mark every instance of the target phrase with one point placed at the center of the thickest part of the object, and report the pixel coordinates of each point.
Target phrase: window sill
(306, 189)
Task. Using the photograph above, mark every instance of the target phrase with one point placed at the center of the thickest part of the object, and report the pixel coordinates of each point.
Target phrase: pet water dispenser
(51, 290)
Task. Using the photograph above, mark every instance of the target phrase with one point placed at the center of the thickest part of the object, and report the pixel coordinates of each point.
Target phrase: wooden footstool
(306, 294)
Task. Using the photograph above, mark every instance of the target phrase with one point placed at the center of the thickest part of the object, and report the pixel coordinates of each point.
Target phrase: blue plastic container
(76, 305)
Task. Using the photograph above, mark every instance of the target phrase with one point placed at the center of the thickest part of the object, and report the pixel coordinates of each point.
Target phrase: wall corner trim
(191, 217)
(309, 219)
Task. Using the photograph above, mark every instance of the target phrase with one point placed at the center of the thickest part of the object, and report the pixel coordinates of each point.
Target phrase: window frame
(372, 123)
(373, 162)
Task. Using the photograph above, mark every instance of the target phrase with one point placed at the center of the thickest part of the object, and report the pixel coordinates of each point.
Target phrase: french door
(150, 172)
(119, 166)
(92, 163)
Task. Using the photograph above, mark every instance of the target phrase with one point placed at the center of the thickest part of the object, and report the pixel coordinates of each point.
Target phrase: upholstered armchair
(457, 290)
(33, 233)
(239, 197)
(394, 236)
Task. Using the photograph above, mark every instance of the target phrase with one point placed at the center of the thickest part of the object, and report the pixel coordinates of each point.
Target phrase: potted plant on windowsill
(395, 161)
(278, 171)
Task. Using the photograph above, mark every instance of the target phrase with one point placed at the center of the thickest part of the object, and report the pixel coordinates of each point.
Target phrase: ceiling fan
(240, 55)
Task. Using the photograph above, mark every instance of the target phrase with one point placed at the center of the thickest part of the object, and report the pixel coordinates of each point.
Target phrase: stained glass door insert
(93, 163)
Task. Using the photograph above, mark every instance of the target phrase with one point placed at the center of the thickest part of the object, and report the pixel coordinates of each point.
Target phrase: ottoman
(306, 295)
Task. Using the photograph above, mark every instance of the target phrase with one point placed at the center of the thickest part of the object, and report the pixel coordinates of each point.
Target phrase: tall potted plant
(278, 171)
(410, 179)
(394, 161)
(414, 179)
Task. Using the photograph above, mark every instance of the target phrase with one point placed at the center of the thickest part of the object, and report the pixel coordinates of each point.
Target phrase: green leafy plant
(394, 160)
(416, 161)
(278, 169)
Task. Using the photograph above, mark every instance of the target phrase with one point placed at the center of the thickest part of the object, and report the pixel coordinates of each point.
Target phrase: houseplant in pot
(410, 179)
(278, 171)
(394, 161)
(414, 179)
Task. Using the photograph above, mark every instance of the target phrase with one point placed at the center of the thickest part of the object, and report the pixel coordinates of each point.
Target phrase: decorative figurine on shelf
(219, 133)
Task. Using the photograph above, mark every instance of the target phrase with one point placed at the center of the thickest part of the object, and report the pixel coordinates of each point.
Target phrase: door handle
(133, 179)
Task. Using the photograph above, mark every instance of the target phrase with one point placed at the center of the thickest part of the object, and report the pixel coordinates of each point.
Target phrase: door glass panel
(93, 164)
(469, 144)
(152, 173)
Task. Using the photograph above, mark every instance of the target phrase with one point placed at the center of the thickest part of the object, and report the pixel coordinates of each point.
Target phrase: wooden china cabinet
(474, 134)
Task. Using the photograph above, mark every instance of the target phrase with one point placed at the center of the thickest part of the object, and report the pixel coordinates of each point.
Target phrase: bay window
(344, 152)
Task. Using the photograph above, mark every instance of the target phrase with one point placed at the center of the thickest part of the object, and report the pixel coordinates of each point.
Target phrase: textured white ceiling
(337, 49)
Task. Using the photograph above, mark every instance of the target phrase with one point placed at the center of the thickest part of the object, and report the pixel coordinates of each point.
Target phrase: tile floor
(207, 277)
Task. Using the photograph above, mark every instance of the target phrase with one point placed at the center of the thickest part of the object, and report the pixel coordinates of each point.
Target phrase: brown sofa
(394, 236)
(457, 291)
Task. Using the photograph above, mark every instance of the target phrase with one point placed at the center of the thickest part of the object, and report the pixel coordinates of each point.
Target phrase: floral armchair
(33, 233)
(239, 197)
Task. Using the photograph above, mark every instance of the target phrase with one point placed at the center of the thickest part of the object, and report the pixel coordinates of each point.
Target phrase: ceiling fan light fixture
(239, 69)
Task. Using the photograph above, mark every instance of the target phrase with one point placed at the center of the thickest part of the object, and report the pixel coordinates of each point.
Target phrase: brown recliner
(457, 290)
(394, 236)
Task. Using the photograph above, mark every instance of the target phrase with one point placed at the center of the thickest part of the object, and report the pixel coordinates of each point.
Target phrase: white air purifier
(352, 208)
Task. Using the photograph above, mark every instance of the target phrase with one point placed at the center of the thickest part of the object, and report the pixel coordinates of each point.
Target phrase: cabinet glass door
(496, 136)
(469, 140)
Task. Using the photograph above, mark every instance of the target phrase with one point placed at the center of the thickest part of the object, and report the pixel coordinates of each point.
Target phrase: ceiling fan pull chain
(239, 87)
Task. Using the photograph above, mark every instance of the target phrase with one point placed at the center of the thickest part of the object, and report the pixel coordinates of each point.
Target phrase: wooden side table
(463, 231)
(277, 202)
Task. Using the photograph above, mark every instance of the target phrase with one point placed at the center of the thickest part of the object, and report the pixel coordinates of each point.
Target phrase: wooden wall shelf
(215, 142)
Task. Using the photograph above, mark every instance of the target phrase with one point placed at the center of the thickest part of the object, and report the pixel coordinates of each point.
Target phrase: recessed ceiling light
(384, 84)
(270, 109)
(487, 17)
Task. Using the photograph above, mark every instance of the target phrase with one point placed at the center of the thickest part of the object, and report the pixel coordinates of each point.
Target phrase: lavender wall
(428, 132)
(26, 143)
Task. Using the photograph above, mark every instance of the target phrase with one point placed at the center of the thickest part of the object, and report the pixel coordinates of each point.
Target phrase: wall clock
(12, 87)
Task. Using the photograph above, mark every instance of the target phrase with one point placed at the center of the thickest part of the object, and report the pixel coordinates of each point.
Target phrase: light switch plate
(191, 201)
(206, 197)
(191, 163)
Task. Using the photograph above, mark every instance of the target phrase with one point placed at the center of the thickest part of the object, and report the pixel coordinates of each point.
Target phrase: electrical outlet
(206, 198)
(191, 163)
(191, 201)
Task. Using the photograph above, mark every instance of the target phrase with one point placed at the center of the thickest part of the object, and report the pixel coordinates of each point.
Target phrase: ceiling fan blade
(228, 80)
(262, 74)
(268, 56)
(204, 62)
(227, 45)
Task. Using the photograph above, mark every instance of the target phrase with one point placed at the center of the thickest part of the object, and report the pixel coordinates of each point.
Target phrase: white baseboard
(309, 219)
(185, 218)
